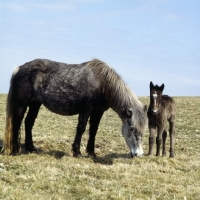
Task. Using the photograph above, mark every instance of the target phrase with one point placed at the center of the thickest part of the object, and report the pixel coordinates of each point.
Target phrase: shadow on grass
(56, 154)
(108, 159)
(1, 145)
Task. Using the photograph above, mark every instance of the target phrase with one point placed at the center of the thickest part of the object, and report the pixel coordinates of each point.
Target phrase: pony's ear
(127, 111)
(162, 87)
(151, 85)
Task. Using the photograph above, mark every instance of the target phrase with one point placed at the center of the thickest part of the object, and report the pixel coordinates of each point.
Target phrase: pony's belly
(63, 109)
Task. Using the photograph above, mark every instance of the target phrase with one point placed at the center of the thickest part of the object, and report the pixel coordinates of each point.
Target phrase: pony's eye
(130, 128)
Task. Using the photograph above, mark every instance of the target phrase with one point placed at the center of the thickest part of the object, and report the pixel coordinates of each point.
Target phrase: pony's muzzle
(134, 154)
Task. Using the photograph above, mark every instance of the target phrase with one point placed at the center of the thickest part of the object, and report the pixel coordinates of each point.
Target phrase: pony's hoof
(31, 149)
(77, 155)
(15, 152)
(92, 154)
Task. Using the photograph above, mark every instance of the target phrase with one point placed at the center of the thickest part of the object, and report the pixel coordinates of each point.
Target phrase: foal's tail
(8, 138)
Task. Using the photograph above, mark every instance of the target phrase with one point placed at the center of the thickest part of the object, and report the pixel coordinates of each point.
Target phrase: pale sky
(143, 40)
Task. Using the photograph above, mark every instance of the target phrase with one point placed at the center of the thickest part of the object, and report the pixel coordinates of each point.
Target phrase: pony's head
(132, 134)
(155, 97)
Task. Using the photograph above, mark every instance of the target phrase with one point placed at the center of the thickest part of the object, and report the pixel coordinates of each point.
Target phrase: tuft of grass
(55, 174)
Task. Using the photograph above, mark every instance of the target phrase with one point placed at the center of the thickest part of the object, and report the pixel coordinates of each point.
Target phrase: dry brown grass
(55, 174)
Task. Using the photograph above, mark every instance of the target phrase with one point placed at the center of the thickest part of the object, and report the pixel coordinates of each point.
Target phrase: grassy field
(55, 174)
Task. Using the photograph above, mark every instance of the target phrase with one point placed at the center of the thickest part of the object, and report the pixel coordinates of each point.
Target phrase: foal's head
(155, 96)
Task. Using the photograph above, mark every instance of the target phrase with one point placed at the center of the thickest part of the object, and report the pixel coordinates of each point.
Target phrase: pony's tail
(8, 138)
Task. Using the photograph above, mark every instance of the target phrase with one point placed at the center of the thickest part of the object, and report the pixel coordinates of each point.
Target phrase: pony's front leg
(82, 122)
(95, 118)
(172, 138)
(159, 140)
(152, 131)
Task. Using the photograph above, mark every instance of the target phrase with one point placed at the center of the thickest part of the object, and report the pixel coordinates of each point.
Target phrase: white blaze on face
(155, 97)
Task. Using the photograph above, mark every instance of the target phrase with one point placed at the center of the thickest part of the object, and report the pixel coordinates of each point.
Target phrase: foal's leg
(17, 120)
(159, 140)
(164, 142)
(95, 118)
(29, 122)
(172, 138)
(152, 132)
(82, 122)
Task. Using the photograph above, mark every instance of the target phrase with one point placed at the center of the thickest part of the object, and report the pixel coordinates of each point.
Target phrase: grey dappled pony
(86, 89)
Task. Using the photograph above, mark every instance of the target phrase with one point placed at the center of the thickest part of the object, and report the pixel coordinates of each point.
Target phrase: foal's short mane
(117, 93)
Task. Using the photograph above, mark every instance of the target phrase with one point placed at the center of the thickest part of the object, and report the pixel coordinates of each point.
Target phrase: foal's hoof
(171, 154)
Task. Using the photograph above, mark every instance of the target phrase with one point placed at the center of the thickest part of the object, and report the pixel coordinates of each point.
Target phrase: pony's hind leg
(164, 142)
(82, 122)
(95, 118)
(29, 122)
(17, 120)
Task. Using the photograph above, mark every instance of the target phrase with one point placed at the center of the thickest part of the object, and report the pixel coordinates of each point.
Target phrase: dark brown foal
(161, 109)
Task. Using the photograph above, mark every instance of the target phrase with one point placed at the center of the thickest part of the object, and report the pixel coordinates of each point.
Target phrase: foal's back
(168, 106)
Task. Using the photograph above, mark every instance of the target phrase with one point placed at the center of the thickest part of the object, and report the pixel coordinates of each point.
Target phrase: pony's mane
(113, 87)
(116, 91)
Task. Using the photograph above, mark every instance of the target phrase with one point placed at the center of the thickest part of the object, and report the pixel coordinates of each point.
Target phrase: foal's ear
(127, 111)
(145, 108)
(162, 87)
(151, 85)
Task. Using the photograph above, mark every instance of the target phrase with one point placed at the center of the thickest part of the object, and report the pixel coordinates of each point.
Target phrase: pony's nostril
(133, 155)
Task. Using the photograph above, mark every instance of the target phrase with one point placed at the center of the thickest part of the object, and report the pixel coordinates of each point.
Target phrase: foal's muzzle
(154, 112)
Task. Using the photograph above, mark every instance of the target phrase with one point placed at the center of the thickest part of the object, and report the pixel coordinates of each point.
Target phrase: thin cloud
(172, 17)
(87, 1)
(23, 6)
(27, 6)
(13, 6)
